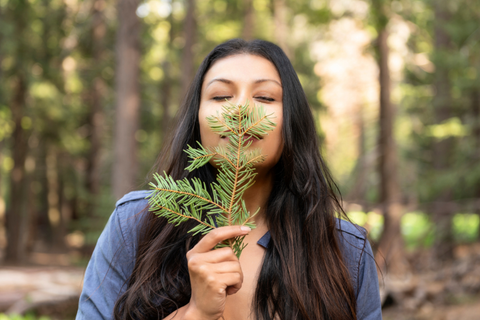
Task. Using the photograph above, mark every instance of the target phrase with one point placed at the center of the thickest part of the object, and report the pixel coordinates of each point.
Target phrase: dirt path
(467, 311)
(54, 291)
(51, 291)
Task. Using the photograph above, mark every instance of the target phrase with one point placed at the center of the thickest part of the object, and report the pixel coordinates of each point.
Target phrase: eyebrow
(230, 82)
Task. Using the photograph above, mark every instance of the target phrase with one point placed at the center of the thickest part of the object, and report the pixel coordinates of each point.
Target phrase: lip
(246, 138)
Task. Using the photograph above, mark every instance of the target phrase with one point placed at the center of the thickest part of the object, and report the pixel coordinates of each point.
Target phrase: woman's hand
(214, 274)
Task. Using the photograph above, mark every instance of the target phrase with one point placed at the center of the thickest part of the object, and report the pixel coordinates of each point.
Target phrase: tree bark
(476, 114)
(358, 192)
(476, 134)
(54, 191)
(166, 87)
(127, 91)
(391, 242)
(16, 216)
(281, 27)
(31, 206)
(442, 149)
(248, 20)
(2, 200)
(44, 226)
(2, 139)
(2, 19)
(95, 99)
(187, 54)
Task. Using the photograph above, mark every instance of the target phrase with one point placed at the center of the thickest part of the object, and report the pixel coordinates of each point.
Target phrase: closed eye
(265, 99)
(221, 98)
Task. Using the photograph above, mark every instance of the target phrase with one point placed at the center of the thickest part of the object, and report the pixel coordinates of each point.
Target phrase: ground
(450, 291)
(464, 311)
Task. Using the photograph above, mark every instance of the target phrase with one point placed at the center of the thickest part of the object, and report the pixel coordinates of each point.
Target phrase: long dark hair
(303, 275)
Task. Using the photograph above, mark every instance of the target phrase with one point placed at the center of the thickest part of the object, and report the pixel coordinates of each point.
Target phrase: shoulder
(360, 261)
(353, 239)
(134, 198)
(128, 214)
(114, 255)
(346, 228)
(132, 205)
(353, 244)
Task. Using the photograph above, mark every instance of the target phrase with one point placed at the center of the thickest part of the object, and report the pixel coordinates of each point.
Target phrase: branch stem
(253, 125)
(237, 169)
(251, 160)
(189, 217)
(192, 195)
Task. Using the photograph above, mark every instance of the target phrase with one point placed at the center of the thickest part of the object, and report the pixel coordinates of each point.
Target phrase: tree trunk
(2, 199)
(166, 87)
(391, 242)
(358, 192)
(248, 20)
(127, 91)
(31, 206)
(16, 217)
(2, 139)
(187, 55)
(44, 227)
(281, 27)
(476, 133)
(95, 101)
(2, 19)
(442, 149)
(476, 114)
(54, 211)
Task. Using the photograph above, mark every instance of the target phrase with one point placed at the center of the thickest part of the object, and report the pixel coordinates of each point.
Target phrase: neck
(257, 195)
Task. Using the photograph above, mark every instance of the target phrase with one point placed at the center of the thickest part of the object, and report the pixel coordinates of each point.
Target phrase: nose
(243, 97)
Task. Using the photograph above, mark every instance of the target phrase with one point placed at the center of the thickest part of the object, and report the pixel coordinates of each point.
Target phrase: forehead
(242, 67)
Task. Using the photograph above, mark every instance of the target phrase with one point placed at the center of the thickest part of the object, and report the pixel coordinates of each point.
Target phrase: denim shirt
(114, 256)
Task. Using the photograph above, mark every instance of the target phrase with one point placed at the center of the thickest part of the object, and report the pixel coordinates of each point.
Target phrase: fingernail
(245, 228)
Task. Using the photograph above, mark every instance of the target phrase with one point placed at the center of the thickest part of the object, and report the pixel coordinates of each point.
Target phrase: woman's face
(239, 78)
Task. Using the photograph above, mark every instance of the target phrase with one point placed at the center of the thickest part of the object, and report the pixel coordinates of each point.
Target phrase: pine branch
(179, 201)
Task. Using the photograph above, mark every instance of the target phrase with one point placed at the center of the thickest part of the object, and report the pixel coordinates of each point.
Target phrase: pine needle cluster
(181, 200)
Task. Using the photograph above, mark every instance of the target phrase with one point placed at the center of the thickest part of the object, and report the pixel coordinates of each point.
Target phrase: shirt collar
(265, 240)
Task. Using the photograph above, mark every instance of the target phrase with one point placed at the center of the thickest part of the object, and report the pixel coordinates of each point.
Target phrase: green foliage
(182, 200)
(29, 316)
(461, 60)
(51, 44)
(417, 230)
(371, 221)
(466, 227)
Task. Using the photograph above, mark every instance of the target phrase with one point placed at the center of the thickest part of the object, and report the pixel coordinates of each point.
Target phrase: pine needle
(183, 200)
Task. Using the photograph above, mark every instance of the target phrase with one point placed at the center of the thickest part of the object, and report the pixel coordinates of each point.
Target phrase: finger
(219, 255)
(199, 268)
(218, 235)
(232, 290)
(226, 267)
(229, 282)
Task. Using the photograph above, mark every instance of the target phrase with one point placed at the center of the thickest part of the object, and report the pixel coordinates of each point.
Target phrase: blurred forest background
(89, 90)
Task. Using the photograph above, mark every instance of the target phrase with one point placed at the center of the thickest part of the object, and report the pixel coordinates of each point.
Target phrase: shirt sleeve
(108, 270)
(369, 306)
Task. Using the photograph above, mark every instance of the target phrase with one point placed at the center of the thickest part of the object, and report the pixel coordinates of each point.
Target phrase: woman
(301, 262)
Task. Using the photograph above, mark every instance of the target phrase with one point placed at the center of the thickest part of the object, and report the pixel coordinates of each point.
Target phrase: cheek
(208, 138)
(279, 129)
(274, 142)
(205, 132)
(279, 139)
